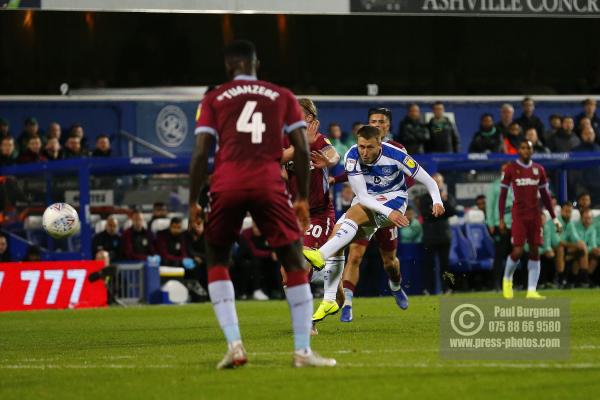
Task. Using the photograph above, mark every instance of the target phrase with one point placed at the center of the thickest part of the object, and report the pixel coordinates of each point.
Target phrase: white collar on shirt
(245, 78)
(524, 165)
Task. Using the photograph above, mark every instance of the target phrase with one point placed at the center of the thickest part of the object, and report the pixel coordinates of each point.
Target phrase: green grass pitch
(170, 352)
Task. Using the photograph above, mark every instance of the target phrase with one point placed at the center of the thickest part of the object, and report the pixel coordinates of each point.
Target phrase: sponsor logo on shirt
(526, 182)
(409, 162)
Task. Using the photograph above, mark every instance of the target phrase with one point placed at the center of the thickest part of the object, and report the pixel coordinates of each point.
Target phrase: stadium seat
(461, 251)
(595, 213)
(454, 221)
(100, 226)
(34, 231)
(175, 215)
(483, 245)
(147, 217)
(121, 218)
(160, 224)
(474, 216)
(575, 215)
(184, 224)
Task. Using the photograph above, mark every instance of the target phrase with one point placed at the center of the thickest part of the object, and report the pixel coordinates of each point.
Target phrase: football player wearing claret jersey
(247, 118)
(526, 178)
(376, 173)
(322, 214)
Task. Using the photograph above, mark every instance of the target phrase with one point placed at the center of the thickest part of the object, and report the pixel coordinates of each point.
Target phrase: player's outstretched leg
(299, 299)
(222, 297)
(333, 273)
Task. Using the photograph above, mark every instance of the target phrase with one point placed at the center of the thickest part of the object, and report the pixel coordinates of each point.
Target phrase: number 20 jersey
(248, 117)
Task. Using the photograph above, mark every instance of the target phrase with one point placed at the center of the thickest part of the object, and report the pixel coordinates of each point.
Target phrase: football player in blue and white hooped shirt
(376, 173)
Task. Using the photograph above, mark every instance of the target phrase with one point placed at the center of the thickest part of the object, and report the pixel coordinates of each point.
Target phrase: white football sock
(341, 239)
(300, 301)
(222, 298)
(333, 273)
(533, 274)
(510, 268)
(348, 294)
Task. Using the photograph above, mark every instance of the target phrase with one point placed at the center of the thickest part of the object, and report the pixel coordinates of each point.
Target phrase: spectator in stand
(501, 239)
(7, 152)
(437, 237)
(159, 210)
(172, 246)
(589, 111)
(528, 119)
(514, 139)
(444, 136)
(109, 240)
(4, 128)
(487, 139)
(480, 203)
(538, 147)
(197, 251)
(413, 133)
(584, 202)
(54, 131)
(507, 113)
(335, 136)
(256, 267)
(588, 141)
(33, 151)
(137, 240)
(565, 139)
(4, 253)
(413, 233)
(351, 139)
(52, 150)
(102, 146)
(555, 126)
(31, 129)
(346, 197)
(571, 245)
(73, 148)
(77, 130)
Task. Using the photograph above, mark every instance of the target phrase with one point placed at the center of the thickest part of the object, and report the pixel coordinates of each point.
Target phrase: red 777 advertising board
(50, 284)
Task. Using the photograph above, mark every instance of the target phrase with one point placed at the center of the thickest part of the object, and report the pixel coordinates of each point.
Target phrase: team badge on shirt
(536, 171)
(350, 163)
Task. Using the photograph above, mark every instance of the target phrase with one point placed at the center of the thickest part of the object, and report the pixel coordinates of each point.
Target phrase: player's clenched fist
(438, 210)
(302, 212)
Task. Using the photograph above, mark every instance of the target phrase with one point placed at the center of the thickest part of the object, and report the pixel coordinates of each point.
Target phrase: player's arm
(505, 182)
(413, 169)
(326, 157)
(302, 171)
(199, 173)
(287, 155)
(545, 195)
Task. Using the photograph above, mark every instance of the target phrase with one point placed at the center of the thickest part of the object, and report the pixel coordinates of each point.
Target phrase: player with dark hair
(246, 117)
(526, 179)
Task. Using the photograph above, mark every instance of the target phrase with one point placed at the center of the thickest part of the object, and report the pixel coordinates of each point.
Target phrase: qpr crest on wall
(171, 126)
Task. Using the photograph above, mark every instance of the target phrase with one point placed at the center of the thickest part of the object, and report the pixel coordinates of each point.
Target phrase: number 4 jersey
(248, 117)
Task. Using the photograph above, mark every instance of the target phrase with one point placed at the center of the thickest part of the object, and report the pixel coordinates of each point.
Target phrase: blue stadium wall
(170, 124)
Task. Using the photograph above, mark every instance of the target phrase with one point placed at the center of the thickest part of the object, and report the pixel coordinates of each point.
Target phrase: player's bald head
(240, 58)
